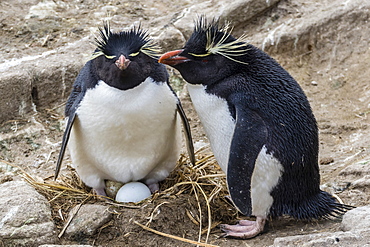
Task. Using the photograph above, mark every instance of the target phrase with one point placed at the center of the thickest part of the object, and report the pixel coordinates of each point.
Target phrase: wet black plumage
(269, 109)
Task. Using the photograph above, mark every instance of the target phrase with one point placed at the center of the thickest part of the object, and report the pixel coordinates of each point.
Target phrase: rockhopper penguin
(260, 126)
(123, 118)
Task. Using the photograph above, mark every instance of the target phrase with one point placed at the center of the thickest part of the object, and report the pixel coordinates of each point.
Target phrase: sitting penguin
(260, 126)
(123, 118)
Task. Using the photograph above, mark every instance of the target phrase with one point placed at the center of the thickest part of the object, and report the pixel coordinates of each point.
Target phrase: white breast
(217, 121)
(126, 135)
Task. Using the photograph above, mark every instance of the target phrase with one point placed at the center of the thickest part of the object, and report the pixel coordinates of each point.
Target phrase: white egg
(133, 192)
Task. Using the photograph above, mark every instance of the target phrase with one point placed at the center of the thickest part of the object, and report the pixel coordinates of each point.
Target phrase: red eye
(205, 61)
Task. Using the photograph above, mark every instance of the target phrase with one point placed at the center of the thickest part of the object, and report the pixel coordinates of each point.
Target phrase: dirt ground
(339, 93)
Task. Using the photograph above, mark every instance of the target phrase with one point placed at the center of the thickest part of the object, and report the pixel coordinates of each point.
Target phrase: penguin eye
(110, 57)
(134, 54)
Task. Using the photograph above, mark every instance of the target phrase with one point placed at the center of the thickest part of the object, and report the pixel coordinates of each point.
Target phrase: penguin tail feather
(320, 206)
(323, 206)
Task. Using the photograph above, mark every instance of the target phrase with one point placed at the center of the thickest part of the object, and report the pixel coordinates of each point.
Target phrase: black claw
(221, 226)
(223, 235)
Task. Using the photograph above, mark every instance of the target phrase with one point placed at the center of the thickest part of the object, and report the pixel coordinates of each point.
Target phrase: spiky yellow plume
(219, 40)
(107, 39)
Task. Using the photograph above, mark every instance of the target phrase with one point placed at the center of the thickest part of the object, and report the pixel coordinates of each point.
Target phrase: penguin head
(210, 54)
(125, 59)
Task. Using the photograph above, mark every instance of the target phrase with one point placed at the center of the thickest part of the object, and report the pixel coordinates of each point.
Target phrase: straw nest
(204, 182)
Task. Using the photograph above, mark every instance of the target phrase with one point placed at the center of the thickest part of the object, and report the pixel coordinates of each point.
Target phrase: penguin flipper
(188, 137)
(66, 135)
(77, 94)
(250, 135)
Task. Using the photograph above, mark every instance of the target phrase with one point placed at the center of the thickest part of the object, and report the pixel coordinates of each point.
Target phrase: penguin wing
(185, 123)
(250, 135)
(188, 137)
(66, 135)
(78, 91)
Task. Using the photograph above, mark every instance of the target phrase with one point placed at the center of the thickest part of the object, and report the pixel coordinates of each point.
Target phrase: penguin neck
(124, 81)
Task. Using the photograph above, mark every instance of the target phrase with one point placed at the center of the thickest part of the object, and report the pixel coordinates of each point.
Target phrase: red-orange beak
(172, 58)
(122, 62)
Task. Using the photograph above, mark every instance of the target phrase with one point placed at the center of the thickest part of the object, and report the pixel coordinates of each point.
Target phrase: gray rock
(42, 10)
(356, 224)
(53, 245)
(88, 220)
(39, 80)
(356, 170)
(242, 11)
(237, 12)
(317, 31)
(362, 183)
(25, 216)
(325, 239)
(170, 38)
(7, 172)
(356, 219)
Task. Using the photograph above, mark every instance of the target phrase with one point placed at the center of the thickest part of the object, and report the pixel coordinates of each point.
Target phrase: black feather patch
(134, 41)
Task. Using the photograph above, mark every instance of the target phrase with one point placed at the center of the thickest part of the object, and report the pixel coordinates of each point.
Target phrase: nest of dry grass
(204, 181)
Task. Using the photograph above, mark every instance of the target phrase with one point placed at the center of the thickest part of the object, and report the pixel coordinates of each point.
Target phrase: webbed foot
(100, 191)
(244, 229)
(153, 187)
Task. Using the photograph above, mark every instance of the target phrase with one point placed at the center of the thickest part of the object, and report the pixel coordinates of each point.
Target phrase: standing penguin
(260, 126)
(123, 117)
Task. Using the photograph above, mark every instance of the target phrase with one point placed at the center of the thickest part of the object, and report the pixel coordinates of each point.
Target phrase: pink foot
(100, 191)
(153, 187)
(244, 229)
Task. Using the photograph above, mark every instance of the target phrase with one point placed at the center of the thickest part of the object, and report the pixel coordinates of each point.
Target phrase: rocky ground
(323, 44)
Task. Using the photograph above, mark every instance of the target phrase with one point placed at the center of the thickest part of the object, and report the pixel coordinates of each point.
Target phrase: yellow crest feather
(104, 40)
(217, 40)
